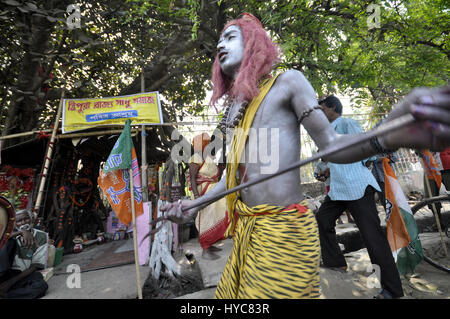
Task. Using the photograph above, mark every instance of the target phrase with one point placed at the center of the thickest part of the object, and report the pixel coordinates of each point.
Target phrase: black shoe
(383, 294)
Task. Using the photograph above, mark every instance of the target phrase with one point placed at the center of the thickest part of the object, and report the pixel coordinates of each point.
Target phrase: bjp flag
(402, 231)
(114, 179)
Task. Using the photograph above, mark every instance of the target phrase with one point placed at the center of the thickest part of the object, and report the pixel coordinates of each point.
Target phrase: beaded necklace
(224, 124)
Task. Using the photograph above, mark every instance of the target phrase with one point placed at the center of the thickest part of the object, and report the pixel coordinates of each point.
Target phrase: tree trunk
(24, 109)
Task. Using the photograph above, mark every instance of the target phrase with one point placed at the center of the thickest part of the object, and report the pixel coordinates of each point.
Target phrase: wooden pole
(105, 132)
(434, 210)
(387, 127)
(144, 165)
(48, 155)
(23, 134)
(144, 152)
(136, 256)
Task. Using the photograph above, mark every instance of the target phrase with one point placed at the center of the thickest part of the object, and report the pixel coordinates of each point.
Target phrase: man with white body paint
(276, 246)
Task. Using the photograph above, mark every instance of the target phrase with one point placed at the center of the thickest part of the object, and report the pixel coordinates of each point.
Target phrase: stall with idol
(17, 184)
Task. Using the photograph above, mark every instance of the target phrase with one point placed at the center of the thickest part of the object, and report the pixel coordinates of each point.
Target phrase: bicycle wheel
(433, 253)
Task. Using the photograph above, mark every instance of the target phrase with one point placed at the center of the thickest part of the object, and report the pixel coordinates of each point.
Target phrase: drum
(7, 218)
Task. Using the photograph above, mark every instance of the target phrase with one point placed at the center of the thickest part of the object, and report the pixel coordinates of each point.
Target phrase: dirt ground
(169, 287)
(427, 282)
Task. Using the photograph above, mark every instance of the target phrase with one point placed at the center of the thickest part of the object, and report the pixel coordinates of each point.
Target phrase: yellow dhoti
(276, 250)
(276, 254)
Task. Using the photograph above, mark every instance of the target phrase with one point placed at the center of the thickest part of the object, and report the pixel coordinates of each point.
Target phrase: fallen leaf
(422, 285)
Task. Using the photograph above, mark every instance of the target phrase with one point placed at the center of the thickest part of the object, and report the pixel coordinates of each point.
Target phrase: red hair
(260, 56)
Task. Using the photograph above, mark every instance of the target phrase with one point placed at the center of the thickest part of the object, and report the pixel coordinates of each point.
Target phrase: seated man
(23, 254)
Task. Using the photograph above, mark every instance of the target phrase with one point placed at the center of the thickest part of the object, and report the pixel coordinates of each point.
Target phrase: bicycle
(421, 208)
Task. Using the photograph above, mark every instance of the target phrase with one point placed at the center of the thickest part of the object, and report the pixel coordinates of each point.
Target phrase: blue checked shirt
(349, 181)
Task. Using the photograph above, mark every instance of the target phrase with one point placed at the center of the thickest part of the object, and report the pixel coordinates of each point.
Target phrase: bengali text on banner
(81, 114)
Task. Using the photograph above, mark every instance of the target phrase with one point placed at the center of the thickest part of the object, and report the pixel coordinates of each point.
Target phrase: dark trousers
(382, 195)
(365, 214)
(446, 179)
(31, 287)
(7, 254)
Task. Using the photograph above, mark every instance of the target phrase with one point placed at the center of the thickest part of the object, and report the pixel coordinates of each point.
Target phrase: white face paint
(231, 50)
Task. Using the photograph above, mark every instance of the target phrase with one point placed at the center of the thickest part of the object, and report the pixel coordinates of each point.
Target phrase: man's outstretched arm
(429, 106)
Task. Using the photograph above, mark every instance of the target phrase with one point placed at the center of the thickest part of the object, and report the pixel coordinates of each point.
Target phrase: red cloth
(214, 234)
(445, 158)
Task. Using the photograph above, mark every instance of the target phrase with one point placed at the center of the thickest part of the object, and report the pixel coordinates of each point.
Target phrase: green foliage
(330, 41)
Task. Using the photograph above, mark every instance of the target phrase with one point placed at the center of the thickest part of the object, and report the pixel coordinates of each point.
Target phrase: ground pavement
(120, 282)
(359, 282)
(104, 283)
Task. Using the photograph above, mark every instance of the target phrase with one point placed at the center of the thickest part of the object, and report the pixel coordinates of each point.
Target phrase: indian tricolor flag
(402, 232)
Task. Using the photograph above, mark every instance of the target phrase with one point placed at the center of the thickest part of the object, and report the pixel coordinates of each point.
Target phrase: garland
(15, 171)
(16, 184)
(74, 193)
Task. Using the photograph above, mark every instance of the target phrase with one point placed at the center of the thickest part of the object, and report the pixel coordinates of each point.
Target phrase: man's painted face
(230, 50)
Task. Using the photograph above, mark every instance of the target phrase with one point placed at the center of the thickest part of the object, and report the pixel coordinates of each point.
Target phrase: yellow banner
(81, 114)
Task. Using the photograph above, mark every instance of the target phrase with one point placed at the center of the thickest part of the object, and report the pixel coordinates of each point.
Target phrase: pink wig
(260, 56)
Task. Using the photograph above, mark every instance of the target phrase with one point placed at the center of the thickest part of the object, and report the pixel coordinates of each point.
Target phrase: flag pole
(136, 257)
(434, 210)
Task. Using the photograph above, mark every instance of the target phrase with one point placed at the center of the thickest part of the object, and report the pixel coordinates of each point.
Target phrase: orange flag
(114, 180)
(431, 167)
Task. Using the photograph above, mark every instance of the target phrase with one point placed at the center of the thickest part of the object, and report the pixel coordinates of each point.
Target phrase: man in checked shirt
(352, 187)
